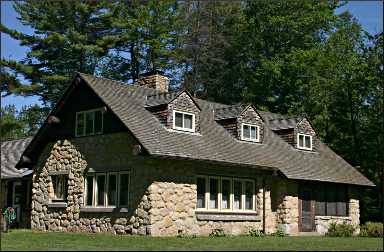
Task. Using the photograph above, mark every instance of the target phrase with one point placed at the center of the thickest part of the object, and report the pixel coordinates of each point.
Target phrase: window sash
(183, 121)
(59, 187)
(302, 141)
(250, 132)
(226, 203)
(91, 189)
(82, 127)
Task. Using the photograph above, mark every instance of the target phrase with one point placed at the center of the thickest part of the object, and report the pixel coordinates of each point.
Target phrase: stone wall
(70, 157)
(322, 223)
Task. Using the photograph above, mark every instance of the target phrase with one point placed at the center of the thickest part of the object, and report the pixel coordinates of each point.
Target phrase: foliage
(279, 232)
(17, 124)
(340, 230)
(372, 229)
(255, 233)
(217, 233)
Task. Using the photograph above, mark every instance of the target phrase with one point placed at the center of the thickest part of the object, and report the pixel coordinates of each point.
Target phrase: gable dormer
(176, 111)
(242, 121)
(297, 131)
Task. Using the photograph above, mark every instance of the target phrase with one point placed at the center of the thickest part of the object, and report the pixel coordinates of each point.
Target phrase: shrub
(255, 233)
(372, 229)
(217, 233)
(340, 230)
(279, 232)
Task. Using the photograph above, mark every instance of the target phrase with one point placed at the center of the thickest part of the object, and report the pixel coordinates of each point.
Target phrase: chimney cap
(152, 72)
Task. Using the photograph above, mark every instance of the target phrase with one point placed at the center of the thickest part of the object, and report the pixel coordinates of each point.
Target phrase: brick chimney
(154, 79)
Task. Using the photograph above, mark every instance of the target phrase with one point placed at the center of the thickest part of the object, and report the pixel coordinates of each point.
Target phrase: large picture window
(225, 194)
(107, 189)
(89, 122)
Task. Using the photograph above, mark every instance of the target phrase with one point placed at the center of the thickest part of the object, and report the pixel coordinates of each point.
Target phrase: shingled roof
(10, 154)
(214, 143)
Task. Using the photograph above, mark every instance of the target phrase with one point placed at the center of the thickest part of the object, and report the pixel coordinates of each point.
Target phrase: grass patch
(32, 240)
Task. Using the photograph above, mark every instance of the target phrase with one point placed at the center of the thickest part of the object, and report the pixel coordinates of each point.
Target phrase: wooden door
(306, 210)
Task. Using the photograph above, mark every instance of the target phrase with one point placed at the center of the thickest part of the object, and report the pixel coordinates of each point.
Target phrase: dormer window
(183, 121)
(304, 141)
(250, 132)
(89, 122)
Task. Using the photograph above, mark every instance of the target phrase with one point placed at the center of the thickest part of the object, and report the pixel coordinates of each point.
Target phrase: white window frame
(257, 139)
(231, 209)
(116, 187)
(182, 128)
(84, 112)
(304, 147)
(95, 189)
(119, 189)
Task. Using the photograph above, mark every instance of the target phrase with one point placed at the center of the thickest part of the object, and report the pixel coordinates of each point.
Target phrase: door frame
(312, 205)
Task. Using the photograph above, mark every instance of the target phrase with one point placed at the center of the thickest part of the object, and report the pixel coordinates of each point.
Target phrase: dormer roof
(166, 98)
(232, 111)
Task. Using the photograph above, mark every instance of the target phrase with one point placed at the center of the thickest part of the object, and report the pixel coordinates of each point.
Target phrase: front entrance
(306, 210)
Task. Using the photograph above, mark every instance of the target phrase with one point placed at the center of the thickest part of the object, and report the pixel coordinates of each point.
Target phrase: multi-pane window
(59, 187)
(304, 141)
(107, 189)
(183, 121)
(331, 200)
(225, 194)
(89, 122)
(250, 132)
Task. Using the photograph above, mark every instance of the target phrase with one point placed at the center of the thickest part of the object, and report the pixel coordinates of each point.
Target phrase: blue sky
(368, 13)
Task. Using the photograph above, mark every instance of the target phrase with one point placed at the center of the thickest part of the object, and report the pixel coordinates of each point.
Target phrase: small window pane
(187, 121)
(320, 201)
(98, 121)
(246, 131)
(331, 201)
(89, 190)
(17, 194)
(253, 133)
(201, 193)
(213, 193)
(89, 118)
(301, 141)
(248, 195)
(226, 185)
(237, 191)
(112, 192)
(80, 124)
(100, 180)
(307, 141)
(59, 183)
(124, 180)
(178, 119)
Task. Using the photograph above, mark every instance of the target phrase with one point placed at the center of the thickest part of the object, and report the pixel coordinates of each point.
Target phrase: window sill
(226, 216)
(104, 210)
(332, 217)
(57, 205)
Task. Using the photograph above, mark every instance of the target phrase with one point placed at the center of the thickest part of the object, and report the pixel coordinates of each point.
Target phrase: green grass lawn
(29, 240)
